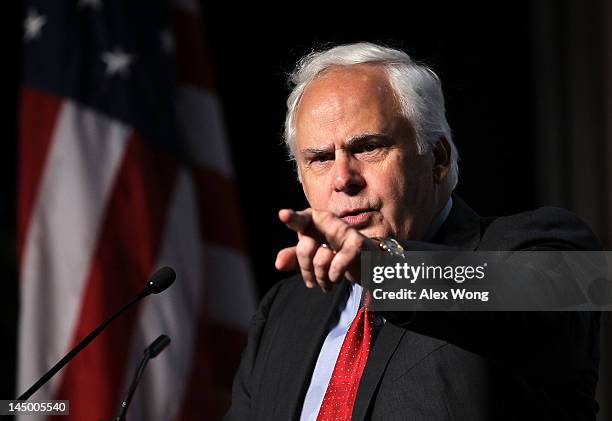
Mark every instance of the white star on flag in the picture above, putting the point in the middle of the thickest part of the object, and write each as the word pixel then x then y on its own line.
pixel 94 4
pixel 117 62
pixel 33 24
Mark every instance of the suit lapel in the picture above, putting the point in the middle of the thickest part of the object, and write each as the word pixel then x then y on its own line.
pixel 303 340
pixel 385 345
pixel 461 229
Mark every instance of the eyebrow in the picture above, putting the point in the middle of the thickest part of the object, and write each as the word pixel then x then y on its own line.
pixel 352 142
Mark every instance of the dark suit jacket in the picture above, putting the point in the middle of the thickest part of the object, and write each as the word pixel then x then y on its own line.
pixel 436 365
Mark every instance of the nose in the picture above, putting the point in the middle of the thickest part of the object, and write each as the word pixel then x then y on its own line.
pixel 346 174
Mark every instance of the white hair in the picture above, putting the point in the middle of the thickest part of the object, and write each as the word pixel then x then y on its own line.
pixel 417 87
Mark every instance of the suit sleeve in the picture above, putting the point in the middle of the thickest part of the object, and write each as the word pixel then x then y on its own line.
pixel 543 345
pixel 242 388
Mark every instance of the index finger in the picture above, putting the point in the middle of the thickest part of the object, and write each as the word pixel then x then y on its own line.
pixel 298 221
pixel 333 229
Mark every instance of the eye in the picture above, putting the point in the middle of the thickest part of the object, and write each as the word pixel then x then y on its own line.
pixel 370 147
pixel 373 149
pixel 322 158
pixel 367 147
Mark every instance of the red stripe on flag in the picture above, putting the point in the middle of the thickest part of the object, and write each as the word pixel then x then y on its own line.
pixel 127 249
pixel 216 358
pixel 37 119
pixel 220 210
pixel 192 53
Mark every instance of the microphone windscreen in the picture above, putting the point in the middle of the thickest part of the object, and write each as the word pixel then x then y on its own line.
pixel 157 346
pixel 161 280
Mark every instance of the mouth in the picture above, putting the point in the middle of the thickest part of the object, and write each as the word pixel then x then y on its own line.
pixel 357 218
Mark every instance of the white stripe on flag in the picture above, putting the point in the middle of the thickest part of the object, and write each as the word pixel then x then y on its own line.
pixel 85 152
pixel 175 313
pixel 231 297
pixel 200 122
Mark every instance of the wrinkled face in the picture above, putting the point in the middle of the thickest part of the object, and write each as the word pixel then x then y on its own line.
pixel 357 155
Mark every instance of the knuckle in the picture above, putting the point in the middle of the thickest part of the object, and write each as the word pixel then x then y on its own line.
pixel 351 241
pixel 340 230
pixel 328 216
pixel 321 217
pixel 355 240
pixel 303 248
pixel 320 260
pixel 300 251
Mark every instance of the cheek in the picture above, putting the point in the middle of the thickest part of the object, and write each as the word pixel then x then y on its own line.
pixel 393 181
pixel 389 187
pixel 316 194
pixel 401 184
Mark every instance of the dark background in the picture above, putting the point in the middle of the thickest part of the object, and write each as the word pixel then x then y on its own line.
pixel 488 101
pixel 525 88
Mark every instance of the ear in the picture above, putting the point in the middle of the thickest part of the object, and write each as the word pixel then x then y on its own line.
pixel 441 152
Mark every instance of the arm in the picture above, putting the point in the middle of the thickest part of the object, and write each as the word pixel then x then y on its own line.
pixel 543 345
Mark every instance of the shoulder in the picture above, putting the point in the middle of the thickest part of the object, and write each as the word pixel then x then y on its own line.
pixel 546 227
pixel 281 292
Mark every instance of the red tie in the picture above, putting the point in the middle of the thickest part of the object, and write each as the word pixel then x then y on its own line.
pixel 342 389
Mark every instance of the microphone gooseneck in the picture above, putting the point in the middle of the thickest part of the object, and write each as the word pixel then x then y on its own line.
pixel 157 283
pixel 150 352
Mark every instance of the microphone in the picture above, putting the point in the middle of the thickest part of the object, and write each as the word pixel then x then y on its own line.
pixel 157 283
pixel 161 280
pixel 152 351
pixel 157 346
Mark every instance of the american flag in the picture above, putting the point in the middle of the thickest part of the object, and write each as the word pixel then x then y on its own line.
pixel 124 168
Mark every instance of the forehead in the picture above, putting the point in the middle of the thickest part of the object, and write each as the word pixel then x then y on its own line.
pixel 344 101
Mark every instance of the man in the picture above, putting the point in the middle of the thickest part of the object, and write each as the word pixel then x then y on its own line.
pixel 366 126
